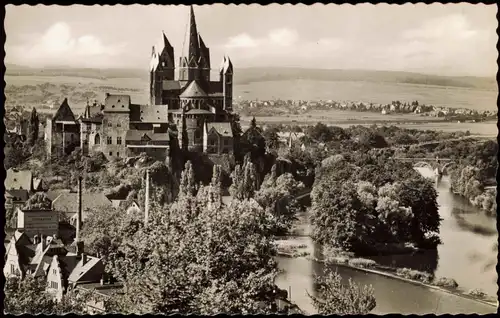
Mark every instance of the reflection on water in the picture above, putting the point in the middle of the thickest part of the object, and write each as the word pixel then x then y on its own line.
pixel 468 255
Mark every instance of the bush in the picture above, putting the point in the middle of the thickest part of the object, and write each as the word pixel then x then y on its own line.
pixel 446 282
pixel 414 275
pixel 477 293
pixel 362 262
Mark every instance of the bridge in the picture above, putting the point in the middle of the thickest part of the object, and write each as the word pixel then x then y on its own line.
pixel 439 165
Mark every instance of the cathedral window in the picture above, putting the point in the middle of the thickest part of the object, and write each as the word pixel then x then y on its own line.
pixel 109 141
pixel 118 125
pixel 119 140
pixel 97 139
pixel 109 124
pixel 163 64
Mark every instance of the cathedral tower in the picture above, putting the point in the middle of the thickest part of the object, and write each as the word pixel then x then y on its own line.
pixel 226 77
pixel 162 68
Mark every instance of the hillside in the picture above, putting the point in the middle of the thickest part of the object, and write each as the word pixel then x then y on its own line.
pixel 264 74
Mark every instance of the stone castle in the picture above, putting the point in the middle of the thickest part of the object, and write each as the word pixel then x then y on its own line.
pixel 193 110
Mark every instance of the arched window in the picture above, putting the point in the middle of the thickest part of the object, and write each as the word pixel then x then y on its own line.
pixel 97 139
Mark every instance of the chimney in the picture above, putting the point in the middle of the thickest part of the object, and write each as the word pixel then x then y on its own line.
pixel 84 259
pixel 146 203
pixel 79 248
pixel 79 212
pixel 35 239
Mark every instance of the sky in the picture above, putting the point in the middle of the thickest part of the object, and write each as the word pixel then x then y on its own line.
pixel 442 39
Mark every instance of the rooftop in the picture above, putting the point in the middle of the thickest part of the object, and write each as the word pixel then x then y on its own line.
pixel 18 180
pixel 117 103
pixel 193 90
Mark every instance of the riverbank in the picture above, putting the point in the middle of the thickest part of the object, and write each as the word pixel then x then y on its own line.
pixel 390 272
pixel 290 249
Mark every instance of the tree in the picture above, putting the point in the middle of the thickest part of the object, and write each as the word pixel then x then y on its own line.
pixel 272 138
pixel 33 128
pixel 253 123
pixel 335 298
pixel 187 185
pixel 28 296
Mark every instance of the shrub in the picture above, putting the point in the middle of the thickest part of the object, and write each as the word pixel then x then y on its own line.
pixel 362 262
pixel 414 275
pixel 477 293
pixel 446 282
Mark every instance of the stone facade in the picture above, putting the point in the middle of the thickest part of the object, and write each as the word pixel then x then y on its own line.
pixel 120 129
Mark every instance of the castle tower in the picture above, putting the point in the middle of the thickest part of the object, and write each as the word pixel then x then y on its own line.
pixel 162 67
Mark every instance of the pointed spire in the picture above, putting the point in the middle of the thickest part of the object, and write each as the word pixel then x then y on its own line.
pixel 228 66
pixel 194 46
pixel 166 43
pixel 221 68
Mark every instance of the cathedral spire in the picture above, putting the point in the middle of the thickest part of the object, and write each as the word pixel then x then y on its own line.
pixel 194 45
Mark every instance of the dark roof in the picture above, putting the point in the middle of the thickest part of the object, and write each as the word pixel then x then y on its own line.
pixel 117 103
pixel 146 135
pixel 171 85
pixel 223 129
pixel 196 111
pixel 17 195
pixel 88 271
pixel 149 113
pixel 68 202
pixel 193 90
pixel 18 180
pixel 64 113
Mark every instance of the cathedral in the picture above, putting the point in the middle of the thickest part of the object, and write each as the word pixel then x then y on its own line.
pixel 198 107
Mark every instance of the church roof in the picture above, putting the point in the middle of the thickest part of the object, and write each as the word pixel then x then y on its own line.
pixel 169 85
pixel 223 129
pixel 193 90
pixel 64 113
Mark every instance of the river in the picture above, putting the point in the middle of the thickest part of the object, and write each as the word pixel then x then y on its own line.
pixel 466 255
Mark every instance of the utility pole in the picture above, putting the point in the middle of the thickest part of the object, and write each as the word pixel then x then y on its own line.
pixel 146 201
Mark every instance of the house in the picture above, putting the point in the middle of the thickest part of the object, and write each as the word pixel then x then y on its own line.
pixel 218 138
pixel 67 203
pixel 134 207
pixel 36 216
pixel 25 256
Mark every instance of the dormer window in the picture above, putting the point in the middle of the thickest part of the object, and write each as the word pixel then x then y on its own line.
pixel 118 101
pixel 113 106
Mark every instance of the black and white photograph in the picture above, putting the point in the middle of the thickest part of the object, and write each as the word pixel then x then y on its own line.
pixel 243 159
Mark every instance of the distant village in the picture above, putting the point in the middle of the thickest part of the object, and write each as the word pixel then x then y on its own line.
pixel 395 107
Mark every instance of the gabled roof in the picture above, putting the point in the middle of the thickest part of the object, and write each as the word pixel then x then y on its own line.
pixel 117 103
pixel 18 180
pixel 193 90
pixel 84 271
pixel 145 135
pixel 152 114
pixel 68 202
pixel 64 113
pixel 223 129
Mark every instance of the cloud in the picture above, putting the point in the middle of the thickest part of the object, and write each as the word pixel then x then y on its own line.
pixel 283 37
pixel 454 26
pixel 241 41
pixel 58 46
